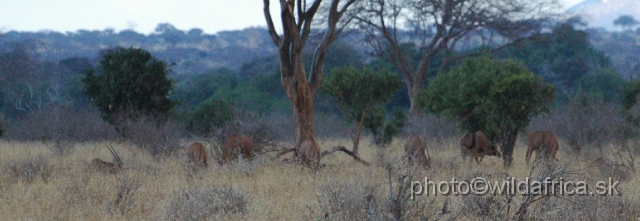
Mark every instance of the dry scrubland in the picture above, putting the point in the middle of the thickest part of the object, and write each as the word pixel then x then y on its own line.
pixel 36 184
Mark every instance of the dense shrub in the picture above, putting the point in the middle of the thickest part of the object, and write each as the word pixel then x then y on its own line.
pixel 630 94
pixel 384 128
pixel 210 114
pixel 604 85
pixel 584 124
pixel 131 82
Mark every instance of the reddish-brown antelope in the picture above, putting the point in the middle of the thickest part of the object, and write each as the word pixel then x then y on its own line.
pixel 545 140
pixel 237 145
pixel 108 167
pixel 198 154
pixel 414 150
pixel 310 153
pixel 476 146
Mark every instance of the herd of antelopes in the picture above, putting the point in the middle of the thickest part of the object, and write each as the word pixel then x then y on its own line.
pixel 477 145
pixel 474 145
pixel 197 154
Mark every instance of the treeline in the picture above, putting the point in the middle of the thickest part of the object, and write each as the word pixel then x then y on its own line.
pixel 191 51
pixel 38 98
pixel 188 51
pixel 35 84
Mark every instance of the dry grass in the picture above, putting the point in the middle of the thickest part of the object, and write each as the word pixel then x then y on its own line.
pixel 37 184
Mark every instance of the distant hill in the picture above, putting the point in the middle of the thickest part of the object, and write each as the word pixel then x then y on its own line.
pixel 188 51
pixel 601 13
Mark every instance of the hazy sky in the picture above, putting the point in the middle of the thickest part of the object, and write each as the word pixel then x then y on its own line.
pixel 141 15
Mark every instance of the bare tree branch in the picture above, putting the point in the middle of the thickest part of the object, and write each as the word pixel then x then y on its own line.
pixel 272 30
pixel 344 149
pixel 317 64
pixel 434 26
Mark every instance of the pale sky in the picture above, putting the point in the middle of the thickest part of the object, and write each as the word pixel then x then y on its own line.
pixel 141 15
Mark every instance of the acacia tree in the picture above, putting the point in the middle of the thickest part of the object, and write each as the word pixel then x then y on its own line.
pixel 626 21
pixel 440 26
pixel 300 85
pixel 497 97
pixel 359 93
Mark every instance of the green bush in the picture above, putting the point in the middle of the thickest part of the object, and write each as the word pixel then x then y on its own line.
pixel 130 82
pixel 193 89
pixel 210 114
pixel 383 127
pixel 260 94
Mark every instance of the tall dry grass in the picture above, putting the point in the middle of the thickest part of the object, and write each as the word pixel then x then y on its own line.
pixel 37 184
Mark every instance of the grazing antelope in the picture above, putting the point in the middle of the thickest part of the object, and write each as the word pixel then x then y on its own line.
pixel 237 144
pixel 108 167
pixel 309 152
pixel 476 146
pixel 542 140
pixel 198 154
pixel 414 149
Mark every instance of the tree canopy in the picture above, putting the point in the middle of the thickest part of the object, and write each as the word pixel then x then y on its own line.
pixel 626 21
pixel 132 82
pixel 359 92
pixel 561 57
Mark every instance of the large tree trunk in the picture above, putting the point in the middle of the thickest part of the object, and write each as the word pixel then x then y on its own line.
pixel 300 94
pixel 296 17
pixel 415 84
pixel 414 90
pixel 302 104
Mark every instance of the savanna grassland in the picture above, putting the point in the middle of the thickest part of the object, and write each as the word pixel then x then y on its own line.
pixel 38 184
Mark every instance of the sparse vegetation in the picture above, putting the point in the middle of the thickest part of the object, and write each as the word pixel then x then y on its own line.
pixel 158 140
pixel 29 170
pixel 127 186
pixel 263 189
pixel 207 202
